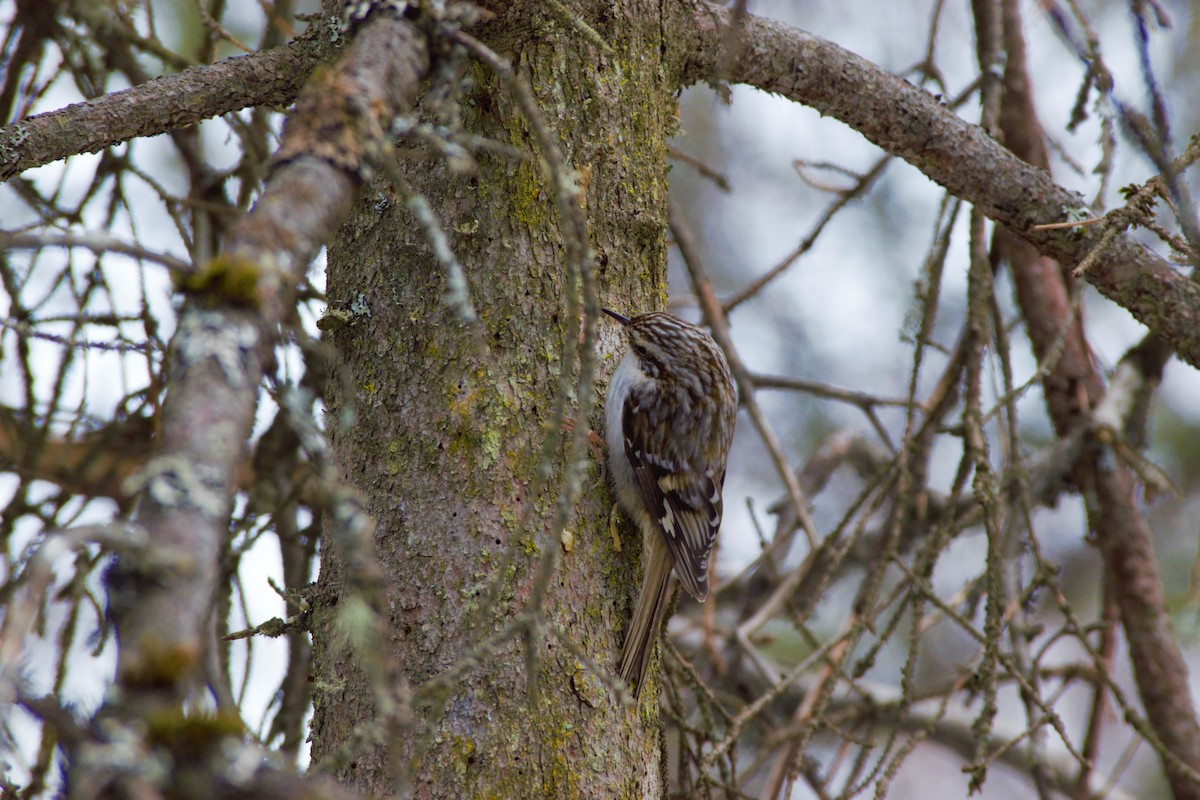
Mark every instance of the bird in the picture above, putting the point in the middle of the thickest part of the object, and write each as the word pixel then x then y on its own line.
pixel 669 417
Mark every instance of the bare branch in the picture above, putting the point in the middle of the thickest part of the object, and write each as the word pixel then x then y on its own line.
pixel 910 123
pixel 225 336
pixel 269 78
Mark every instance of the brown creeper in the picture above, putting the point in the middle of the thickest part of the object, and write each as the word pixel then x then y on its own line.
pixel 670 412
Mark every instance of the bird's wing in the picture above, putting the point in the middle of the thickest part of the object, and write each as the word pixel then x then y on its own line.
pixel 684 505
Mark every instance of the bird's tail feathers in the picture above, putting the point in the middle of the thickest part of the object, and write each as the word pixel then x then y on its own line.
pixel 652 604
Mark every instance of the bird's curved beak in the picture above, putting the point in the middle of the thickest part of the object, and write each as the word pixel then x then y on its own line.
pixel 616 316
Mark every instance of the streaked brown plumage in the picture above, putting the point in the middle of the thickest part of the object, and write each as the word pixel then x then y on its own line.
pixel 669 414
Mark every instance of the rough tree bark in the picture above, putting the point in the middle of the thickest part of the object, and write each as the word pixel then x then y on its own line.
pixel 449 420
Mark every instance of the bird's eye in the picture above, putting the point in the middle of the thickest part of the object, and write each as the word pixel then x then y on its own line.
pixel 641 350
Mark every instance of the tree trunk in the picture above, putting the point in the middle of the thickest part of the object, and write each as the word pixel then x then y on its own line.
pixel 448 422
